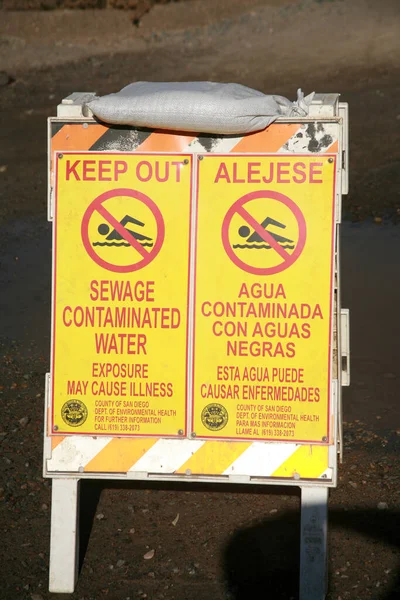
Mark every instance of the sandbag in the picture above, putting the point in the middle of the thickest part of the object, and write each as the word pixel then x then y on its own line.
pixel 196 106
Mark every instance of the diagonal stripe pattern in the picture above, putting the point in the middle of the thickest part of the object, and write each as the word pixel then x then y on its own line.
pixel 278 137
pixel 187 457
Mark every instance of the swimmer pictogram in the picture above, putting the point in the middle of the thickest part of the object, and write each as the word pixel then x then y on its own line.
pixel 113 245
pixel 116 239
pixel 262 234
pixel 255 240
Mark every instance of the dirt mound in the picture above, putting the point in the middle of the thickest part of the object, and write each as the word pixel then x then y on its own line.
pixel 139 7
pixel 21 5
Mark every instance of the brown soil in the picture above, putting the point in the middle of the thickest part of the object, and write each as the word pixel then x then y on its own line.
pixel 231 542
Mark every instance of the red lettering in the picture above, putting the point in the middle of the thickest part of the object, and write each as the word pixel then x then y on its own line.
pixel 104 286
pixel 282 172
pixel 178 166
pixel 94 171
pixel 222 173
pixel 299 169
pixel 150 291
pixel 120 167
pixel 235 175
pixel 89 167
pixel 66 322
pixel 104 168
pixel 165 175
pixel 71 170
pixel 120 343
pixel 314 171
pixel 164 318
pixel 217 328
pixel 203 307
pixel 141 344
pixel 139 170
pixel 106 290
pixel 252 171
pixel 271 174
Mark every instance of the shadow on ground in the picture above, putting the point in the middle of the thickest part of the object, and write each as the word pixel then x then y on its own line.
pixel 262 561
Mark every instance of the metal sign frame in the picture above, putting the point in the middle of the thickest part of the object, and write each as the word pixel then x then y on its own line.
pixel 69 458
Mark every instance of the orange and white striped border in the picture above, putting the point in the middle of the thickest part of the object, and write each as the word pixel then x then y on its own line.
pixel 309 137
pixel 76 454
pixel 299 138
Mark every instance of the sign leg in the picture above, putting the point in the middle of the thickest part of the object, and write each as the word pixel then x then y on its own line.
pixel 64 536
pixel 313 543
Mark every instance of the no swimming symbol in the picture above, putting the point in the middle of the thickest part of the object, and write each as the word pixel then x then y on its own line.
pixel 122 244
pixel 259 248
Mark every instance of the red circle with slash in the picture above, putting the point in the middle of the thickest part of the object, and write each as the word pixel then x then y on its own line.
pixel 239 208
pixel 99 205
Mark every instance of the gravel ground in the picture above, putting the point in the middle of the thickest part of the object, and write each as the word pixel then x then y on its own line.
pixel 234 542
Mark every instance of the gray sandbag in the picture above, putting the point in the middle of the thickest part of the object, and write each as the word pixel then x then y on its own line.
pixel 197 106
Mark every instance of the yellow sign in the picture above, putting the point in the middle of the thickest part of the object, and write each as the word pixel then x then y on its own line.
pixel 120 298
pixel 264 276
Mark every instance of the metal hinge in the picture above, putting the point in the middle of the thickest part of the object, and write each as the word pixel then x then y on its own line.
pixel 345 344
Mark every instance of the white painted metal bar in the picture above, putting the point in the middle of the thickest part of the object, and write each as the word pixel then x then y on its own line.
pixel 64 536
pixel 66 462
pixel 313 543
pixel 344 113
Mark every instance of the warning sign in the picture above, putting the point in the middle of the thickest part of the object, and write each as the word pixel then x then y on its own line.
pixel 239 221
pixel 264 267
pixel 120 298
pixel 122 245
